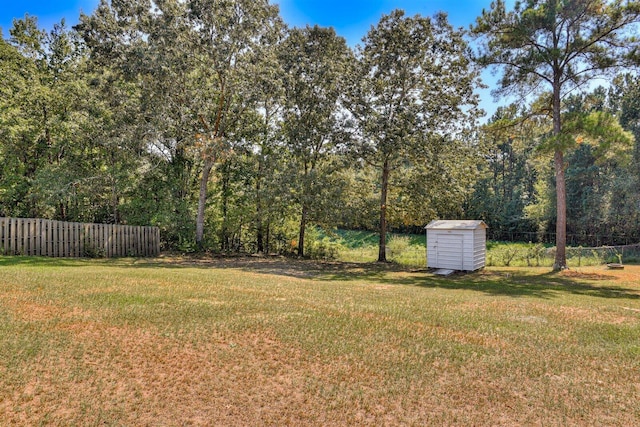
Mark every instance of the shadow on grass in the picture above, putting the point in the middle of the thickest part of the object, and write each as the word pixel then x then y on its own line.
pixel 514 283
pixel 544 285
pixel 33 261
pixel 525 283
pixel 28 261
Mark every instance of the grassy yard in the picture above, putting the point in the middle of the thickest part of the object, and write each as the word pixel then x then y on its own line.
pixel 410 250
pixel 255 341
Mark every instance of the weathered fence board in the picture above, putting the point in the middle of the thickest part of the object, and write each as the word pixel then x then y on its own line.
pixel 44 237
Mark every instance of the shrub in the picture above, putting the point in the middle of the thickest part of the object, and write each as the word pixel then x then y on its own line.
pixel 90 251
pixel 534 252
pixel 398 245
pixel 323 249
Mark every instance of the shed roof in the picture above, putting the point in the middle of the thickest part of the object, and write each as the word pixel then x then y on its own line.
pixel 455 225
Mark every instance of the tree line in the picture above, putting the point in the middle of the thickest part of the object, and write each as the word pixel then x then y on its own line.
pixel 232 132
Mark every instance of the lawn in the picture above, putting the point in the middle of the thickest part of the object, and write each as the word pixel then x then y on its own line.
pixel 268 341
pixel 410 250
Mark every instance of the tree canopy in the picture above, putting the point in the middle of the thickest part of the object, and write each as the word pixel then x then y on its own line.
pixel 231 132
pixel 557 47
pixel 413 96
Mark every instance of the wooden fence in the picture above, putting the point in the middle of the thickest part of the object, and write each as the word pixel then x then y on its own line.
pixel 43 237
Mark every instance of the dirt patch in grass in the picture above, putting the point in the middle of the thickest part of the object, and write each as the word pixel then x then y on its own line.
pixel 630 274
pixel 29 311
pixel 33 312
pixel 125 376
pixel 588 275
pixel 279 265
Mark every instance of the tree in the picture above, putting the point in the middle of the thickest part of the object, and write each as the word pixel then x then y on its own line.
pixel 596 169
pixel 608 151
pixel 557 45
pixel 193 61
pixel 508 178
pixel 228 34
pixel 20 153
pixel 627 99
pixel 262 127
pixel 412 95
pixel 315 63
pixel 626 94
pixel 48 111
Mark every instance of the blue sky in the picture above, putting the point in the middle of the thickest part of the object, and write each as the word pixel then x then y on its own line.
pixel 351 18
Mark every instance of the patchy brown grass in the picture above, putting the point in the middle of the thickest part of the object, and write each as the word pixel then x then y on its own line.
pixel 256 341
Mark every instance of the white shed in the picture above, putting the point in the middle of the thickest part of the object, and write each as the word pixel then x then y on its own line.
pixel 456 245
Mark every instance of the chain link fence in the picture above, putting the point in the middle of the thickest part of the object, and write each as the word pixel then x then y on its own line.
pixel 537 254
pixel 591 240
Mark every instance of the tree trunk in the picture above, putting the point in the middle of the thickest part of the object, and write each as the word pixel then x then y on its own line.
pixel 266 243
pixel 226 244
pixel 260 237
pixel 561 207
pixel 202 200
pixel 303 226
pixel 114 202
pixel 62 212
pixel 259 226
pixel 561 190
pixel 382 247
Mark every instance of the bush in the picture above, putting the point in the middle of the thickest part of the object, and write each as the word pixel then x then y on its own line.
pixel 187 245
pixel 508 254
pixel 534 252
pixel 398 245
pixel 323 249
pixel 91 251
pixel 317 245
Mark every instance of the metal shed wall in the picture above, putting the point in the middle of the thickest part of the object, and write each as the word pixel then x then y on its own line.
pixel 456 245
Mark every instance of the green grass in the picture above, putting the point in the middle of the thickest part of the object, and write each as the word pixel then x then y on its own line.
pixel 268 341
pixel 410 250
pixel 362 246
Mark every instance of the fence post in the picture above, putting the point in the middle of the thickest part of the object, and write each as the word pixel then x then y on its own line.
pixel 32 237
pixel 19 237
pixel 119 240
pixel 146 240
pixel 2 239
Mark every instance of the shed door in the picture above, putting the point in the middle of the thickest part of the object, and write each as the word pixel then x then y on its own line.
pixel 450 251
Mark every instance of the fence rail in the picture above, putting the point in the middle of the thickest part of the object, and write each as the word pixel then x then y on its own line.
pixel 595 240
pixel 44 237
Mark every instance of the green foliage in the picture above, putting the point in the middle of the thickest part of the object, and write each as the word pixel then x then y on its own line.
pixel 538 255
pixel 413 100
pixel 407 250
pixel 516 194
pixel 535 252
pixel 559 47
pixel 92 252
pixel 187 245
pixel 508 186
pixel 315 62
pixel 361 246
pixel 320 246
pixel 208 113
pixel 57 132
pixel 398 245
